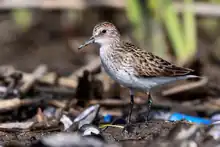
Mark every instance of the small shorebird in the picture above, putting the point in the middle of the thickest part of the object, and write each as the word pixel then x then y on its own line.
pixel 131 66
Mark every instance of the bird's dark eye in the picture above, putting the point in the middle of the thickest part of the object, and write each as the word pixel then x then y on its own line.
pixel 104 31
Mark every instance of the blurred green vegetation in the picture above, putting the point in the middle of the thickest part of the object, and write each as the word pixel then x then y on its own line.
pixel 22 17
pixel 147 30
pixel 181 31
pixel 157 26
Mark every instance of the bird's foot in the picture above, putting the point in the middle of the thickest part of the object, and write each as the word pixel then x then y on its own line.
pixel 129 128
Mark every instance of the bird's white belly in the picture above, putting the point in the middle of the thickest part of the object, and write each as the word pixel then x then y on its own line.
pixel 127 79
pixel 131 81
pixel 120 76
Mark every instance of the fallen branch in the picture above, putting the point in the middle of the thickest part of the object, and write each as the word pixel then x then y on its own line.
pixel 186 87
pixel 38 73
pixel 116 103
pixel 11 104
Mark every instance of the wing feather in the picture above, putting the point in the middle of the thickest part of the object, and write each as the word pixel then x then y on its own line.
pixel 149 65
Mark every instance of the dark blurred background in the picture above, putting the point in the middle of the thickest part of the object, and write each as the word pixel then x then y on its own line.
pixel 185 32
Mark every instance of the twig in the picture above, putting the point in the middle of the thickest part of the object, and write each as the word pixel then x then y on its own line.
pixel 50 78
pixel 114 102
pixel 17 125
pixel 176 106
pixel 185 87
pixel 9 104
pixel 55 90
pixel 215 102
pixel 39 72
pixel 57 103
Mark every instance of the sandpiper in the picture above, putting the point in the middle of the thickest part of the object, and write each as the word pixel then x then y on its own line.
pixel 131 66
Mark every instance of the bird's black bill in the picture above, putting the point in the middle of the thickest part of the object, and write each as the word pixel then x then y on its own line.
pixel 90 41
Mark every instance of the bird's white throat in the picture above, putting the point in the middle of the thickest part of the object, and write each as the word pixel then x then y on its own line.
pixel 103 41
pixel 104 50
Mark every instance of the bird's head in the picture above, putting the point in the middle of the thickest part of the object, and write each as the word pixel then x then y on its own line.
pixel 103 34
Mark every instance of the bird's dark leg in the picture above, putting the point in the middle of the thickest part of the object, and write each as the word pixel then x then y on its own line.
pixel 149 104
pixel 128 127
pixel 131 105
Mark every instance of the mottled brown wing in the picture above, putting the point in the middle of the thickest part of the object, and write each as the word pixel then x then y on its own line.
pixel 149 65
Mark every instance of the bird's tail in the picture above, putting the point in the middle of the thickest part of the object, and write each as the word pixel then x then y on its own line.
pixel 194 78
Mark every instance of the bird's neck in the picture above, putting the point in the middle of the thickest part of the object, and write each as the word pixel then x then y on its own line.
pixel 105 50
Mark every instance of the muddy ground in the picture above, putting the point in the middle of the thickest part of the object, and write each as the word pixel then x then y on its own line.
pixel 142 135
